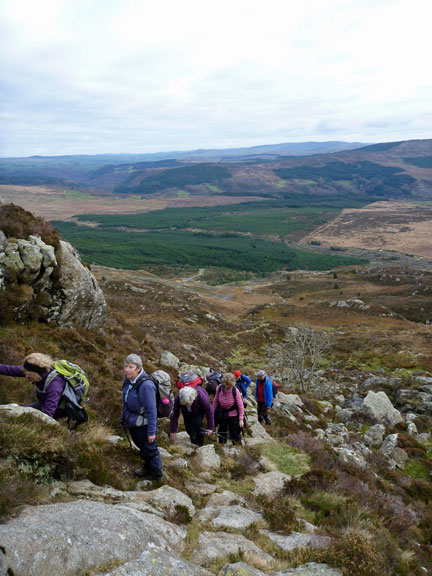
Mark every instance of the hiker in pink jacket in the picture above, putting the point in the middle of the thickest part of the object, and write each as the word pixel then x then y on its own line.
pixel 228 410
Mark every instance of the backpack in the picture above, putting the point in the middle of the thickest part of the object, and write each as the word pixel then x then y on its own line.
pixel 164 394
pixel 188 379
pixel 214 379
pixel 275 388
pixel 75 390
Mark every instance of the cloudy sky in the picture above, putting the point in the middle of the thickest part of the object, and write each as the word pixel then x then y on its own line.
pixel 96 76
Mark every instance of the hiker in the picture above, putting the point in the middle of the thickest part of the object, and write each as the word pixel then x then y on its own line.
pixel 36 368
pixel 139 415
pixel 193 403
pixel 264 396
pixel 228 410
pixel 242 382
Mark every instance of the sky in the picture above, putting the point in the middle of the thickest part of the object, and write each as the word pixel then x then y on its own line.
pixel 134 76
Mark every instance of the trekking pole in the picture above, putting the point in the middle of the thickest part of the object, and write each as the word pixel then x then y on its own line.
pixel 133 446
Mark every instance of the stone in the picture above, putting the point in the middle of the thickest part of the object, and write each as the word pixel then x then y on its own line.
pixel 412 429
pixel 352 456
pixel 374 435
pixel 225 498
pixel 212 545
pixel 379 405
pixel 169 359
pixel 178 464
pixel 291 402
pixel 232 516
pixel 81 301
pixel 205 458
pixel 389 444
pixel 162 501
pixel 239 569
pixel 310 569
pixel 400 457
pixel 200 488
pixel 112 533
pixel 14 410
pixel 3 241
pixel 297 540
pixel 270 484
pixel 157 563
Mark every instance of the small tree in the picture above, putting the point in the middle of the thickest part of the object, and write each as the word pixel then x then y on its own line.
pixel 298 355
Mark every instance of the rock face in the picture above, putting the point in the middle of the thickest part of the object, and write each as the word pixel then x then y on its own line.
pixel 109 533
pixel 53 284
pixel 14 410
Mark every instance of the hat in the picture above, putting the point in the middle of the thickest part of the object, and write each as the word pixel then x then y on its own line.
pixel 237 374
pixel 261 374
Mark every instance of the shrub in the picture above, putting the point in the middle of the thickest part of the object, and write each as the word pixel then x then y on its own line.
pixel 18 223
pixel 354 555
pixel 279 514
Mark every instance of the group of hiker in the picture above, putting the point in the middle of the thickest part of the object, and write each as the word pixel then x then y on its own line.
pixel 145 397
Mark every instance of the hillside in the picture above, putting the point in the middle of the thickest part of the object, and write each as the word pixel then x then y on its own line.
pixel 360 479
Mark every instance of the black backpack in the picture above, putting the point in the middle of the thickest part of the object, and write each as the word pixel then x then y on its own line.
pixel 214 379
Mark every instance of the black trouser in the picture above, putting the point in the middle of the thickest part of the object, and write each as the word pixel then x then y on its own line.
pixel 262 412
pixel 230 423
pixel 194 426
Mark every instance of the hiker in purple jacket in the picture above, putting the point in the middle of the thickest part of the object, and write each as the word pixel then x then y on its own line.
pixel 139 415
pixel 193 403
pixel 36 368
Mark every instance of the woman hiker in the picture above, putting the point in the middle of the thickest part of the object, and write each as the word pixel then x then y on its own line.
pixel 228 410
pixel 194 404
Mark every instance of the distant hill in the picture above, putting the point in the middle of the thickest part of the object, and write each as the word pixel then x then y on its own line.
pixel 384 170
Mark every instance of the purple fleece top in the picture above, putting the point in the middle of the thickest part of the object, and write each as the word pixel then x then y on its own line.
pixel 200 404
pixel 50 398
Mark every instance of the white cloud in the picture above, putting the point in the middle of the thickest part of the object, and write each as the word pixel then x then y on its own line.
pixel 135 75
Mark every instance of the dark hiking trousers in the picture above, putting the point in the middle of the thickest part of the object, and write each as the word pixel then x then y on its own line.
pixel 193 422
pixel 263 413
pixel 230 423
pixel 149 451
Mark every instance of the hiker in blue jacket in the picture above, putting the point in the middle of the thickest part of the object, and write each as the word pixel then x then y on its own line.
pixel 139 415
pixel 242 382
pixel 264 396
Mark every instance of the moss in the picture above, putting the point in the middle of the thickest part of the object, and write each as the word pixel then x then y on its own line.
pixel 287 459
pixel 418 468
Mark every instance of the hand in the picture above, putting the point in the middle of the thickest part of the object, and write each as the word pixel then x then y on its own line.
pixel 173 436
pixel 241 423
pixel 209 432
pixel 151 439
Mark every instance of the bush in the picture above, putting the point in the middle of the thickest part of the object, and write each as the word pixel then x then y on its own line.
pixel 280 515
pixel 18 223
pixel 354 555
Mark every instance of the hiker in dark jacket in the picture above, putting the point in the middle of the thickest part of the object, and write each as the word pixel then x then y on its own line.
pixel 194 404
pixel 264 396
pixel 228 410
pixel 36 368
pixel 139 415
pixel 242 382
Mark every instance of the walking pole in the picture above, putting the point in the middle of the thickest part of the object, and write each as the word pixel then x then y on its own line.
pixel 132 445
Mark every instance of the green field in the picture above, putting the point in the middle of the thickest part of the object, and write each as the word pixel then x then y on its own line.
pixel 131 250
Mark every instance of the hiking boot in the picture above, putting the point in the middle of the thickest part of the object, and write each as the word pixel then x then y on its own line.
pixel 260 419
pixel 156 474
pixel 268 421
pixel 141 472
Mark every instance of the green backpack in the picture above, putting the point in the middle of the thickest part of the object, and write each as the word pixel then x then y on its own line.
pixel 75 390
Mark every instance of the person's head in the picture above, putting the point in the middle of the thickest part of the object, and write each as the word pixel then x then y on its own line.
pixel 237 374
pixel 36 365
pixel 132 366
pixel 261 375
pixel 187 395
pixel 228 381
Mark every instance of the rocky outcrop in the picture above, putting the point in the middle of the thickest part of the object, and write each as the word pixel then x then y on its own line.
pixel 380 407
pixel 14 411
pixel 68 544
pixel 49 284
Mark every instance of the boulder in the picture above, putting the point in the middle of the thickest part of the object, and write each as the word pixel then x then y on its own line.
pixel 389 444
pixel 225 498
pixel 351 456
pixel 78 537
pixel 310 569
pixel 81 301
pixel 194 486
pixel 239 569
pixel 297 540
pixel 14 410
pixel 374 436
pixel 205 458
pixel 212 545
pixel 169 359
pixel 157 563
pixel 232 516
pixel 270 484
pixel 380 407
